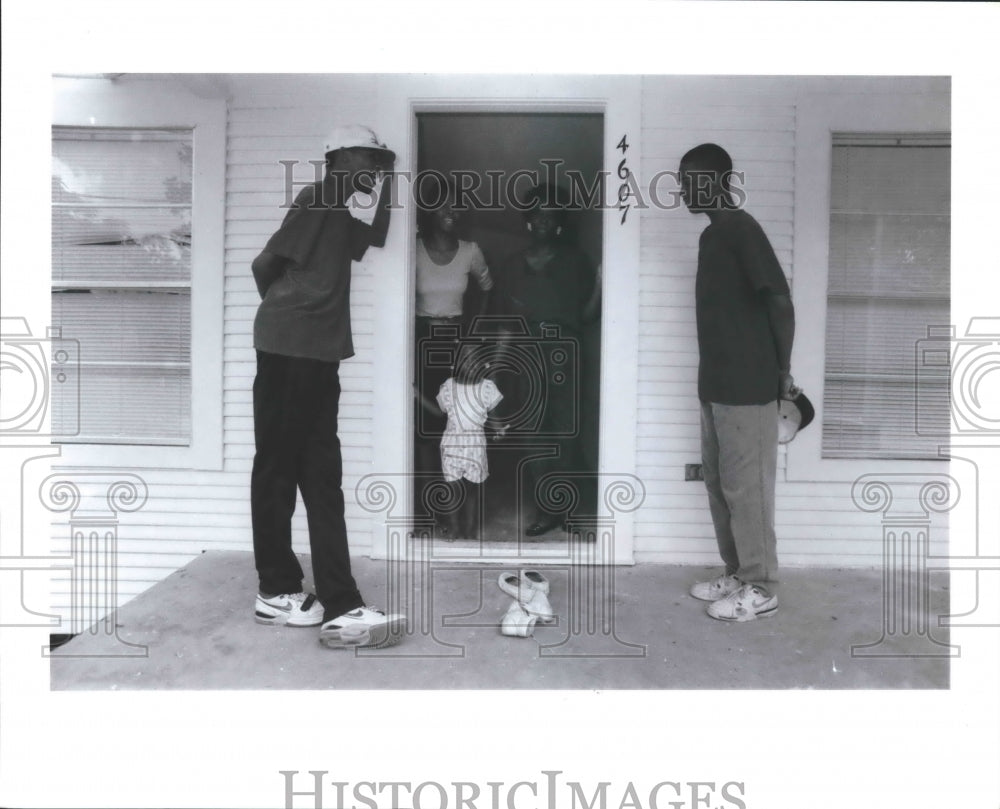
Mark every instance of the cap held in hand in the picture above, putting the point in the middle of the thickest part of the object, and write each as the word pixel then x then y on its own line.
pixel 793 415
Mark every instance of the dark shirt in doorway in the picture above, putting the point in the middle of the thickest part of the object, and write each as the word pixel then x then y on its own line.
pixel 737 268
pixel 307 311
pixel 555 294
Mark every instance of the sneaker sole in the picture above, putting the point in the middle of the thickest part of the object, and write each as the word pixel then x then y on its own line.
pixel 711 599
pixel 380 636
pixel 282 620
pixel 732 620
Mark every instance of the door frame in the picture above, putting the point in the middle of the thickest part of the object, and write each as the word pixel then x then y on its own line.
pixel 617 99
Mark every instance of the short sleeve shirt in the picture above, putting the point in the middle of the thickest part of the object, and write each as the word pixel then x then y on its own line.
pixel 441 287
pixel 737 269
pixel 307 311
pixel 555 294
pixel 468 406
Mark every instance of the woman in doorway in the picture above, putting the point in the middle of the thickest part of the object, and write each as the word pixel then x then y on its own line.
pixel 551 285
pixel 445 266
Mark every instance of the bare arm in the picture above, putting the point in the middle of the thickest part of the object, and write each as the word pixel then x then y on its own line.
pixel 484 301
pixel 781 315
pixel 267 268
pixel 374 234
pixel 497 425
pixel 380 224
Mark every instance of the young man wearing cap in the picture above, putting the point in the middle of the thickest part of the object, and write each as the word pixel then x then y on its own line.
pixel 746 324
pixel 301 333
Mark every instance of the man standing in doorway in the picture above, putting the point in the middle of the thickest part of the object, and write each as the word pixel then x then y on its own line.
pixel 746 325
pixel 301 333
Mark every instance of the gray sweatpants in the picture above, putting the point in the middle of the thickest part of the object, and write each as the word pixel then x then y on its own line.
pixel 739 451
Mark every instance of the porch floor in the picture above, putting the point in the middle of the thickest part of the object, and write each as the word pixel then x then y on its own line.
pixel 617 628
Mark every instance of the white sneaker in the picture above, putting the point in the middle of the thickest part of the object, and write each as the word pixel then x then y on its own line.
pixel 534 602
pixel 748 603
pixel 517 623
pixel 364 626
pixel 288 609
pixel 717 588
pixel 534 578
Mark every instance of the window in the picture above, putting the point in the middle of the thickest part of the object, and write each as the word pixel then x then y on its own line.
pixel 121 282
pixel 138 275
pixel 888 284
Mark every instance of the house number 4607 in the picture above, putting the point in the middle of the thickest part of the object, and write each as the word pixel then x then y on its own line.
pixel 625 175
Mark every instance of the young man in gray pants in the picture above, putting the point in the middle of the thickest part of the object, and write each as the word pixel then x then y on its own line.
pixel 746 324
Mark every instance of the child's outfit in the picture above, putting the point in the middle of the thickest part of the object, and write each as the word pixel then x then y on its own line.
pixel 463 443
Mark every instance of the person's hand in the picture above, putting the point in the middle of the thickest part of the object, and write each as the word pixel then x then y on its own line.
pixel 500 432
pixel 787 389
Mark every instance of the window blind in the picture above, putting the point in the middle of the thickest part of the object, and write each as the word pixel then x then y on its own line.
pixel 121 282
pixel 889 281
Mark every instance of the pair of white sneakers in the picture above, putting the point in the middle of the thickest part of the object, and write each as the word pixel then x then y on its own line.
pixel 734 600
pixel 361 627
pixel 530 591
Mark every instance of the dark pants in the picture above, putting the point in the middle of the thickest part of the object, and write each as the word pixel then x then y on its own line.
pixel 295 404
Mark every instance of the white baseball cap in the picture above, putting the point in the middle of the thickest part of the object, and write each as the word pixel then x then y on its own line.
pixel 354 136
pixel 793 415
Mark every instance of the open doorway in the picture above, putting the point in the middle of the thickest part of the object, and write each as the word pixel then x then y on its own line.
pixel 526 305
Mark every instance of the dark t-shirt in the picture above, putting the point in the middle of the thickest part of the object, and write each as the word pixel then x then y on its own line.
pixel 555 294
pixel 737 269
pixel 307 311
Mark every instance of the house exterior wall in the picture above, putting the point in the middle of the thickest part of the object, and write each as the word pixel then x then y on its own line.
pixel 284 118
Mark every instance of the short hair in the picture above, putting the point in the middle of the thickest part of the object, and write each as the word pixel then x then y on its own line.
pixel 433 190
pixel 713 158
pixel 548 197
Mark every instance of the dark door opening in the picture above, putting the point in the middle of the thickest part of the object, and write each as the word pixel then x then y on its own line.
pixel 533 316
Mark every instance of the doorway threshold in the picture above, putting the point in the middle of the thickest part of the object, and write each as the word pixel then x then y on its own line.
pixel 562 551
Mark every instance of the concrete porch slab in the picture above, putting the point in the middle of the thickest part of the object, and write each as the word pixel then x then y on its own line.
pixel 617 628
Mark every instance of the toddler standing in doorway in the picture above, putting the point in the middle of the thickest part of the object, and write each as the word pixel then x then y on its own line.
pixel 467 398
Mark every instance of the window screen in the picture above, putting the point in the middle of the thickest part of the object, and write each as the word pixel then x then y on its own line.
pixel 121 282
pixel 889 279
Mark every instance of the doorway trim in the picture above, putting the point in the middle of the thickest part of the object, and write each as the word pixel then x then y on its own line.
pixel 617 98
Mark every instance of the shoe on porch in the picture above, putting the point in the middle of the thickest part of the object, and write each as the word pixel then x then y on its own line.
pixel 288 609
pixel 717 588
pixel 534 601
pixel 362 627
pixel 748 603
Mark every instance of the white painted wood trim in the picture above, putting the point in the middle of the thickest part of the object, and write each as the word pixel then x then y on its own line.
pixel 619 99
pixel 819 116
